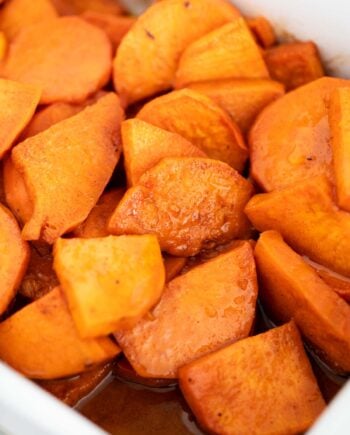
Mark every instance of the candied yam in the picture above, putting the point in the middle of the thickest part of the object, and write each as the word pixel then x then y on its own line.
pixel 41 341
pixel 199 312
pixel 145 145
pixel 189 203
pixel 173 266
pixel 201 121
pixel 243 99
pixel 72 7
pixel 308 219
pixel 54 165
pixel 290 140
pixel 292 289
pixel 227 52
pixel 148 55
pixel 70 63
pixel 262 31
pixel 14 257
pixel 263 385
pixel 294 64
pixel 110 282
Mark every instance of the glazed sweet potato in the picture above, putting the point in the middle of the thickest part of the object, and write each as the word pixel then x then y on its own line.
pixel 41 342
pixel 199 312
pixel 159 37
pixel 262 31
pixel 294 64
pixel 71 7
pixel 173 266
pixel 224 53
pixel 189 203
pixel 145 145
pixel 261 385
pixel 110 282
pixel 290 140
pixel 14 257
pixel 243 99
pixel 70 62
pixel 291 289
pixel 308 219
pixel 201 121
pixel 45 175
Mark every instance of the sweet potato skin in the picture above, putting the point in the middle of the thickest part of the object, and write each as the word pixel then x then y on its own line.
pixel 262 31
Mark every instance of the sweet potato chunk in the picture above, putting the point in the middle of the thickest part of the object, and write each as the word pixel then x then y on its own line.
pixel 173 266
pixel 199 312
pixel 67 57
pixel 294 64
pixel 290 140
pixel 110 282
pixel 41 341
pixel 262 31
pixel 53 166
pixel 261 385
pixel 308 219
pixel 243 99
pixel 145 145
pixel 159 37
pixel 189 203
pixel 14 257
pixel 71 7
pixel 292 289
pixel 227 52
pixel 201 121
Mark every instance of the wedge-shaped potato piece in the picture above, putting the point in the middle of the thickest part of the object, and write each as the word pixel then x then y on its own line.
pixel 144 145
pixel 14 257
pixel 227 52
pixel 294 64
pixel 215 302
pixel 57 176
pixel 201 121
pixel 291 289
pixel 72 7
pixel 309 221
pixel 159 37
pixel 262 31
pixel 189 203
pixel 290 140
pixel 67 57
pixel 110 282
pixel 243 99
pixel 173 266
pixel 41 341
pixel 261 385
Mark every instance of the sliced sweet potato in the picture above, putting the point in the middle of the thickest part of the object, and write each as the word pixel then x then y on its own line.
pixel 262 31
pixel 201 121
pixel 189 203
pixel 14 257
pixel 173 266
pixel 72 7
pixel 110 282
pixel 145 145
pixel 41 341
pixel 70 63
pixel 3 46
pixel 290 140
pixel 261 385
pixel 52 167
pixel 199 312
pixel 308 219
pixel 294 64
pixel 227 52
pixel 159 37
pixel 243 99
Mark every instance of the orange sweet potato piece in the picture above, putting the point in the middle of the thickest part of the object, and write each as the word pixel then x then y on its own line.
pixel 201 121
pixel 41 341
pixel 52 167
pixel 173 266
pixel 3 47
pixel 189 203
pixel 262 31
pixel 145 145
pixel 199 312
pixel 308 219
pixel 261 385
pixel 70 63
pixel 243 99
pixel 110 282
pixel 159 37
pixel 14 257
pixel 290 139
pixel 294 64
pixel 227 52
pixel 72 7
